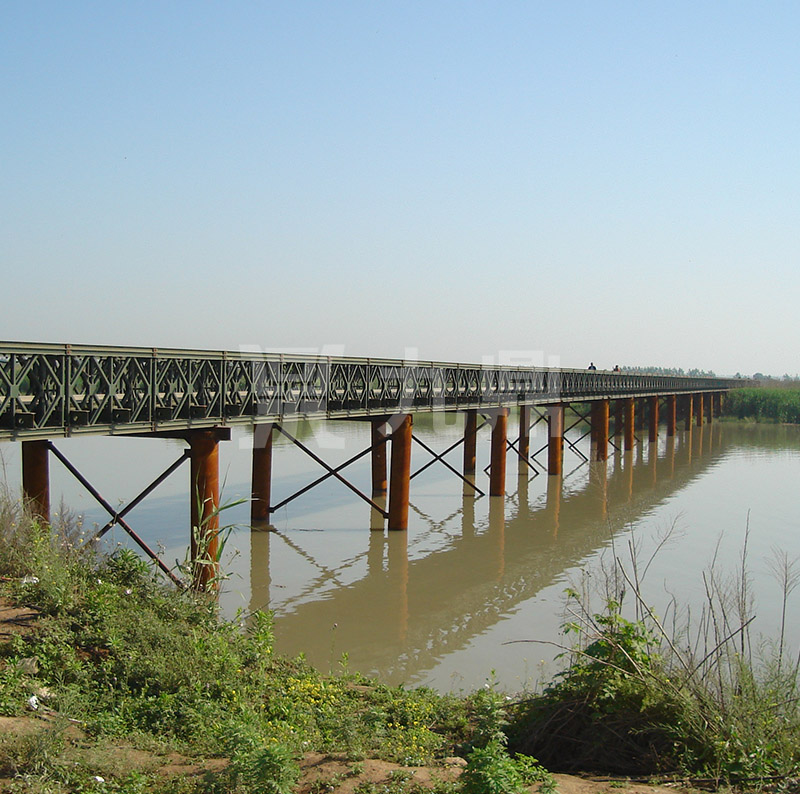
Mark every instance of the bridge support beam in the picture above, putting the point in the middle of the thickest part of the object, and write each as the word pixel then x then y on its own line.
pixel 710 407
pixel 698 409
pixel 378 435
pixel 470 440
pixel 497 472
pixel 641 403
pixel 204 453
pixel 261 483
pixel 672 414
pixel 629 421
pixel 600 411
pixel 524 442
pixel 555 446
pixel 36 477
pixel 619 416
pixel 689 408
pixel 653 435
pixel 400 473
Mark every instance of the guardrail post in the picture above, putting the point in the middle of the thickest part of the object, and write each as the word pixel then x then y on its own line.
pixel 36 477
pixel 653 436
pixel 555 446
pixel 470 440
pixel 204 447
pixel 262 473
pixel 400 474
pixel 497 472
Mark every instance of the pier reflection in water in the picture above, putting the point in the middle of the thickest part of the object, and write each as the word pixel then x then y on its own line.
pixel 436 605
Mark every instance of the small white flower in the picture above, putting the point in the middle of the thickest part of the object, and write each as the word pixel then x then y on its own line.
pixel 33 703
pixel 98 779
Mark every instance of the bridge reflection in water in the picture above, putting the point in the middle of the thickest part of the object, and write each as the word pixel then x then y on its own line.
pixel 411 609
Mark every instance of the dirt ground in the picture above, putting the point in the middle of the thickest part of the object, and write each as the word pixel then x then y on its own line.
pixel 317 768
pixel 319 772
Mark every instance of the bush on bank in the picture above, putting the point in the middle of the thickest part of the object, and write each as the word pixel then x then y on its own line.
pixel 770 405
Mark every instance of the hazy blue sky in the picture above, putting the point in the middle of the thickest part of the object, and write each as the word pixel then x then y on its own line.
pixel 607 181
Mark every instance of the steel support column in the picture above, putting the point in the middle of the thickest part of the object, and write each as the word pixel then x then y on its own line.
pixel 524 442
pixel 36 477
pixel 400 474
pixel 639 413
pixel 698 409
pixel 555 446
pixel 630 418
pixel 689 407
pixel 470 440
pixel 710 408
pixel 619 416
pixel 204 447
pixel 497 473
pixel 261 482
pixel 653 435
pixel 672 414
pixel 600 411
pixel 378 434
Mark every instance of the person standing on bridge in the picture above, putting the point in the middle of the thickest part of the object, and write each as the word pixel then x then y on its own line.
pixel 591 365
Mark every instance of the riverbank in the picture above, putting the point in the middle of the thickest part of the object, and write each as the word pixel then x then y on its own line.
pixel 46 750
pixel 108 673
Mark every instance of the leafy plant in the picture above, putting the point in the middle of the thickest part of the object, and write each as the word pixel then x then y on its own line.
pixel 490 770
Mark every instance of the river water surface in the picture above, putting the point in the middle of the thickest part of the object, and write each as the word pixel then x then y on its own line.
pixel 440 604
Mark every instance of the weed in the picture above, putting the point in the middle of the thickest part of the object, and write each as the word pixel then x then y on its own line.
pixel 490 770
pixel 637 699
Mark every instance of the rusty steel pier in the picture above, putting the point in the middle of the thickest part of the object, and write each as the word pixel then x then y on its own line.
pixel 52 391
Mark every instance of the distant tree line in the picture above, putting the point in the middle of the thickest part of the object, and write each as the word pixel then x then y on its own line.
pixel 785 381
pixel 669 371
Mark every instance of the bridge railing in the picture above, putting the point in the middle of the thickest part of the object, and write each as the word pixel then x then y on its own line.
pixel 68 389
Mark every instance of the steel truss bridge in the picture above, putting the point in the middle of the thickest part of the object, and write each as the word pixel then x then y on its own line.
pixel 50 391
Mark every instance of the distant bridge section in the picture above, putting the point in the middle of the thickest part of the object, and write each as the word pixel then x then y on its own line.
pixel 49 391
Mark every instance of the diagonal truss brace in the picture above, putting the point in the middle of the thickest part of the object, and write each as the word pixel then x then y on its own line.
pixel 440 459
pixel 146 492
pixel 117 517
pixel 332 472
pixel 572 445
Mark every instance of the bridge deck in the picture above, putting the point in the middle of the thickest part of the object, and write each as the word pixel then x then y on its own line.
pixel 62 390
